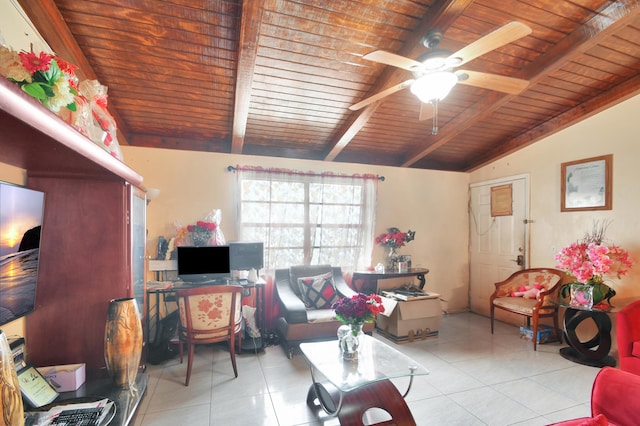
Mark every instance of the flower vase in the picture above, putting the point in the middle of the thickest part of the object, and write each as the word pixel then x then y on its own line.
pixel 392 260
pixel 11 408
pixel 350 343
pixel 123 342
pixel 581 296
pixel 199 240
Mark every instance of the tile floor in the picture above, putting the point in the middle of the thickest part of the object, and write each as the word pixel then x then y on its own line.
pixel 476 379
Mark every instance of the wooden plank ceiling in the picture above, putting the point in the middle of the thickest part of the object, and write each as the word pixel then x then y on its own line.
pixel 277 77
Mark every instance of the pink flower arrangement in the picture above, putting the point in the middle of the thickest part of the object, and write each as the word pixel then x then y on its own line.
pixel 358 309
pixel 590 260
pixel 394 238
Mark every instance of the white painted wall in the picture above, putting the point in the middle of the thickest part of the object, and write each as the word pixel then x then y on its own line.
pixel 432 203
pixel 614 131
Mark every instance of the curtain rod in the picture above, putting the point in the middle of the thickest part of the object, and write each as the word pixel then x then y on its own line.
pixel 233 169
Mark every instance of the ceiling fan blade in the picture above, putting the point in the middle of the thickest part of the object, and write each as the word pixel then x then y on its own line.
pixel 504 35
pixel 392 59
pixel 386 92
pixel 426 111
pixel 500 83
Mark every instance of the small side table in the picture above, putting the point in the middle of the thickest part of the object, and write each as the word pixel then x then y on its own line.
pixel 370 278
pixel 595 351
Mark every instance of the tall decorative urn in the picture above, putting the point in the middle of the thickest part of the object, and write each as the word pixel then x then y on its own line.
pixel 11 408
pixel 123 341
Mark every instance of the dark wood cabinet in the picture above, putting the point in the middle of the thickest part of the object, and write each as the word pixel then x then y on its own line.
pixel 93 234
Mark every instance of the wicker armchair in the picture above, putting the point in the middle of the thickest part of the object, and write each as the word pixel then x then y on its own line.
pixel 544 306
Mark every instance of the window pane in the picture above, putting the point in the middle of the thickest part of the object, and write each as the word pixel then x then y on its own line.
pixel 282 210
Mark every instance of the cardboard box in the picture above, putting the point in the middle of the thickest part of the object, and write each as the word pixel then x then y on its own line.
pixel 545 333
pixel 64 378
pixel 410 320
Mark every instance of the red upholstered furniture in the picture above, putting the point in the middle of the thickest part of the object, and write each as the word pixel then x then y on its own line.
pixel 628 334
pixel 615 395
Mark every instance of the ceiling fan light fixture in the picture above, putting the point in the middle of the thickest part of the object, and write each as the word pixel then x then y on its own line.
pixel 434 86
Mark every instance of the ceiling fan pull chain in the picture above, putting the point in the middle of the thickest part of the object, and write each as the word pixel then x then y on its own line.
pixel 434 130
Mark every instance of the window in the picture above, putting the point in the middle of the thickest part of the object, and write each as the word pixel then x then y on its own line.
pixel 306 218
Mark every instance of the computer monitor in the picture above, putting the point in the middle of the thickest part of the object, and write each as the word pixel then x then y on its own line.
pixel 245 256
pixel 203 264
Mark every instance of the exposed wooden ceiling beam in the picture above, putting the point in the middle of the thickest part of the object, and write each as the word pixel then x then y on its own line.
pixel 247 53
pixel 48 20
pixel 440 16
pixel 620 93
pixel 609 20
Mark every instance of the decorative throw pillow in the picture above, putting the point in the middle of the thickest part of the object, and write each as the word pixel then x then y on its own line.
pixel 635 351
pixel 318 292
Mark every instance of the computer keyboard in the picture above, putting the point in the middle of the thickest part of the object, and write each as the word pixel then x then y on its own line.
pixel 82 417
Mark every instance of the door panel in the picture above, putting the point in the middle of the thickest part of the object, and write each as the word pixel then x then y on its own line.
pixel 495 242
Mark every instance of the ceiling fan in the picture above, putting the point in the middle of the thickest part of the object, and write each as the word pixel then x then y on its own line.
pixel 434 74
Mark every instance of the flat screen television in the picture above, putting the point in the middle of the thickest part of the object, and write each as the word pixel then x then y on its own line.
pixel 244 256
pixel 21 211
pixel 203 264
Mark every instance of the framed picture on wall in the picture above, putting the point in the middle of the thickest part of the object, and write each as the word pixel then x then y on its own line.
pixel 586 184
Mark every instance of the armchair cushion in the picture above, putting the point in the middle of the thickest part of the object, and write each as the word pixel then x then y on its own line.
pixel 318 292
pixel 636 349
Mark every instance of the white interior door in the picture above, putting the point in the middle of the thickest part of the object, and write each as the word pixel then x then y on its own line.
pixel 498 243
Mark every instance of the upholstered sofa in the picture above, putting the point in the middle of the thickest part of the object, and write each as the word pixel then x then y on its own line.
pixel 628 337
pixel 614 398
pixel 314 321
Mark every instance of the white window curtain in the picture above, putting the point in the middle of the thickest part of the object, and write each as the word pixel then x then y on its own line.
pixel 307 218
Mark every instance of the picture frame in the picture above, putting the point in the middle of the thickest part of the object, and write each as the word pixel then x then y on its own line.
pixel 586 184
pixel 502 200
pixel 34 387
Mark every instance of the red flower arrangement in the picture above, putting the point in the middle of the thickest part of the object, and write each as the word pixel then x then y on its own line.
pixel 394 238
pixel 201 232
pixel 358 309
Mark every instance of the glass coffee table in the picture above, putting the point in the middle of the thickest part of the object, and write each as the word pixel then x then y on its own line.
pixel 347 389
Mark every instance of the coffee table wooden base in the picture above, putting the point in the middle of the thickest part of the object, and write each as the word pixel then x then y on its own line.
pixel 351 406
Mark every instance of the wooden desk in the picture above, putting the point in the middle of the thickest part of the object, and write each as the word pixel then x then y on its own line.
pixel 153 314
pixel 370 278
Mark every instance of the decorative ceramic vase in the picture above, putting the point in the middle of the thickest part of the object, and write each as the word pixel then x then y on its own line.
pixel 123 341
pixel 11 408
pixel 350 343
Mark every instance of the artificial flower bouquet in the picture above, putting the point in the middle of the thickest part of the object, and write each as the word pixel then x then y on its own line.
pixel 46 77
pixel 358 309
pixel 53 82
pixel 592 259
pixel 202 232
pixel 394 238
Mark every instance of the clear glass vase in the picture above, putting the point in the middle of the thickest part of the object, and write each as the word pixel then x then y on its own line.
pixel 349 340
pixel 392 259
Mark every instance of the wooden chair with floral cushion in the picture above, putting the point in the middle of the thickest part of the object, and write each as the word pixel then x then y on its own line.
pixel 209 314
pixel 545 305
